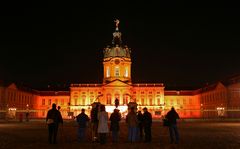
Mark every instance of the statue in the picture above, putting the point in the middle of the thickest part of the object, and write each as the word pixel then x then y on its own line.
pixel 116 102
pixel 117 22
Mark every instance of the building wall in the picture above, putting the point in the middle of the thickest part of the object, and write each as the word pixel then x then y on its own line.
pixel 188 106
pixel 214 100
pixel 44 103
pixel 233 96
pixel 122 64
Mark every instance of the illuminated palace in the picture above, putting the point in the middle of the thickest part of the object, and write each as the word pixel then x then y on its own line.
pixel 210 101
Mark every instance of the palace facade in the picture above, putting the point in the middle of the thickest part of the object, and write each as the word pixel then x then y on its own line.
pixel 209 101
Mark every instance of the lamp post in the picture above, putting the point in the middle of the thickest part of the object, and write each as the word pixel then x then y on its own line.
pixel 202 111
pixel 27 112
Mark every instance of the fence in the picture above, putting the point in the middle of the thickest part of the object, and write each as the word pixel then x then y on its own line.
pixel 66 114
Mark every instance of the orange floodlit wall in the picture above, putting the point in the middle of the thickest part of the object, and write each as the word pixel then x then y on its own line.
pixel 45 100
pixel 185 102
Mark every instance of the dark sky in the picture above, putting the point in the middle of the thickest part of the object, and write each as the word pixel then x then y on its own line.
pixel 178 44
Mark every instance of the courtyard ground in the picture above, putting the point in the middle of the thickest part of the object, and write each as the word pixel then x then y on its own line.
pixel 193 135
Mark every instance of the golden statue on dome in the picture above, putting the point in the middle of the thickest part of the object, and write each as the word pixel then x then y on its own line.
pixel 117 22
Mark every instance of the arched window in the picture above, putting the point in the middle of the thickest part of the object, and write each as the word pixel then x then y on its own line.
pixel 125 99
pixel 158 101
pixel 91 99
pixel 142 101
pixel 83 99
pixel 109 99
pixel 150 101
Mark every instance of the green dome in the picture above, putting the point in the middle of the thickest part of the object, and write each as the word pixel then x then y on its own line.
pixel 116 51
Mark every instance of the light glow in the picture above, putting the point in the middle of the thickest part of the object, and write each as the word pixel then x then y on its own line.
pixel 122 109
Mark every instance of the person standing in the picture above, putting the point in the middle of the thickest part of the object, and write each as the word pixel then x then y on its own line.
pixel 94 122
pixel 140 124
pixel 103 125
pixel 115 118
pixel 172 117
pixel 53 119
pixel 58 108
pixel 147 125
pixel 27 116
pixel 132 122
pixel 82 120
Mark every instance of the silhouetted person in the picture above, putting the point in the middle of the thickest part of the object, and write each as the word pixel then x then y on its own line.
pixel 172 117
pixel 58 108
pixel 27 116
pixel 53 119
pixel 147 125
pixel 82 120
pixel 140 124
pixel 132 121
pixel 114 127
pixel 94 122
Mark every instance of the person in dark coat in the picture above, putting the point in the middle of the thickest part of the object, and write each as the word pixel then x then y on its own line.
pixel 147 125
pixel 172 117
pixel 82 120
pixel 115 118
pixel 140 124
pixel 53 119
pixel 94 122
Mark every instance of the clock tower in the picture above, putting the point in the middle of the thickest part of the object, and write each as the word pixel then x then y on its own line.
pixel 117 60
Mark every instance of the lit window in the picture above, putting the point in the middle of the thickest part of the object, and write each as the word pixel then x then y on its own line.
pixel 83 100
pixel 62 102
pixel 56 101
pixel 126 72
pixel 158 101
pixel 109 99
pixel 117 73
pixel 142 101
pixel 43 101
pixel 108 72
pixel 91 99
pixel 150 101
pixel 49 102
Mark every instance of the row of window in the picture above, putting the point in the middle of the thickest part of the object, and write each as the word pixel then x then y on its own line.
pixel 19 97
pixel 51 101
pixel 117 72
pixel 142 92
pixel 213 97
pixel 182 101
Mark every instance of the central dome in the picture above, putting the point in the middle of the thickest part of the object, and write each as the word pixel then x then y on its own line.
pixel 117 49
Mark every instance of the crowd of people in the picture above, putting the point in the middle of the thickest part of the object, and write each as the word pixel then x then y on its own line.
pixel 139 124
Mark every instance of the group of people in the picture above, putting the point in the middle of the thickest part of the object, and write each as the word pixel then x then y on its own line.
pixel 139 124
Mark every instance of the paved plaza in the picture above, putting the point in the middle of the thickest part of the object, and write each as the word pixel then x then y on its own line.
pixel 194 135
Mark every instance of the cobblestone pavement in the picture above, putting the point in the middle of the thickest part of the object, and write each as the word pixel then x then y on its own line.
pixel 193 135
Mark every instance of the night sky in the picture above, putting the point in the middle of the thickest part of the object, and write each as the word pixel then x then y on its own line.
pixel 178 44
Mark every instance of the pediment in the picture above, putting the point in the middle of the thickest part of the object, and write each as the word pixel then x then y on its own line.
pixel 117 83
pixel 220 86
pixel 12 86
